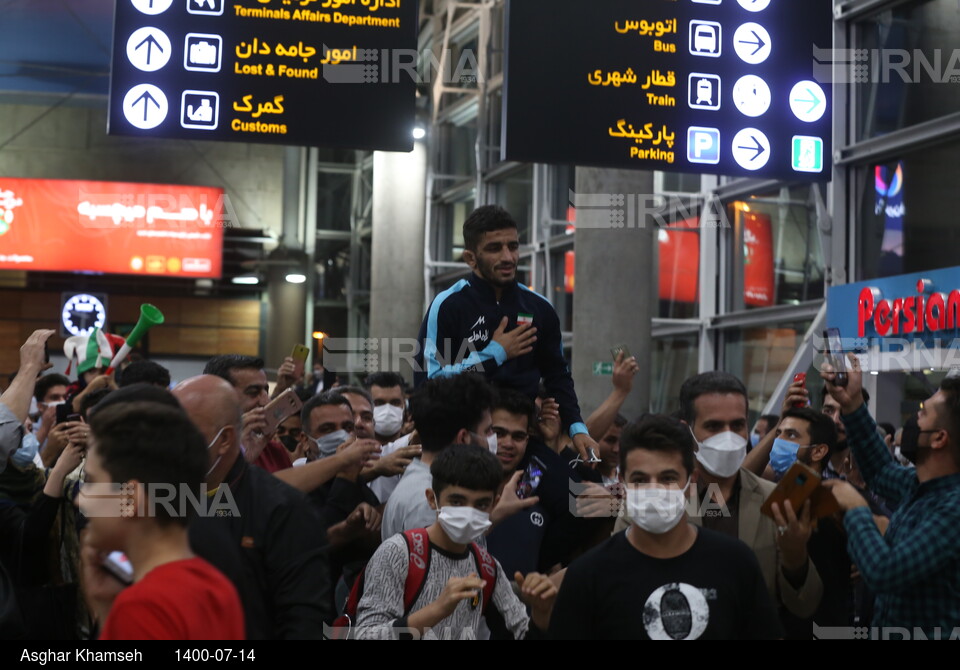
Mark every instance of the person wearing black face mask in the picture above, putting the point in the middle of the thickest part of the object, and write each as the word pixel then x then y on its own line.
pixel 910 440
pixel 289 431
pixel 914 568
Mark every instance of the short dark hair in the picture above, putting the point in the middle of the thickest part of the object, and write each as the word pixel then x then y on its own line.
pixel 704 383
pixel 467 466
pixel 486 219
pixel 141 392
pixel 145 371
pixel 356 390
pixel 332 397
pixel 303 393
pixel 93 399
pixel 514 402
pixel 444 406
pixel 385 380
pixel 620 420
pixel 771 420
pixel 824 393
pixel 154 444
pixel 222 366
pixel 657 432
pixel 46 382
pixel 820 426
pixel 950 387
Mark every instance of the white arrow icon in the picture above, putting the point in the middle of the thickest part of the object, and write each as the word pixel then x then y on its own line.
pixel 752 43
pixel 148 49
pixel 152 7
pixel 145 106
pixel 808 101
pixel 754 5
pixel 751 149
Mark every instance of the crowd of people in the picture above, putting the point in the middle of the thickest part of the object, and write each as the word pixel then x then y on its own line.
pixel 477 505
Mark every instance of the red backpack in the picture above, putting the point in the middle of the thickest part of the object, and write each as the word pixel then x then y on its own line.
pixel 418 544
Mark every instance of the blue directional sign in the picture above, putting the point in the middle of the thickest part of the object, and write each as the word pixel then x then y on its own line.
pixel 713 86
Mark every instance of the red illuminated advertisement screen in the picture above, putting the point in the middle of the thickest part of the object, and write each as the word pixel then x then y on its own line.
pixel 680 261
pixel 758 260
pixel 110 227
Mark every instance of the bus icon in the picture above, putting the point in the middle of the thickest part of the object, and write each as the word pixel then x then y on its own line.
pixel 705 38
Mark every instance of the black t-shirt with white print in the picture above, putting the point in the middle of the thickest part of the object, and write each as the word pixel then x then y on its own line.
pixel 714 590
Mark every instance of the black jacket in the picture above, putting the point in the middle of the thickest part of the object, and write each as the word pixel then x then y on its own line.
pixel 457 336
pixel 271 545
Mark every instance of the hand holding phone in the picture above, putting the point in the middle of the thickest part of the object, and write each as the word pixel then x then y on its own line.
pixel 834 354
pixel 531 478
pixel 801 377
pixel 118 565
pixel 280 409
pixel 798 485
pixel 299 355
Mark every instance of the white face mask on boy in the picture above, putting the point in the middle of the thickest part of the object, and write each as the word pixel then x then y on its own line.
pixel 463 524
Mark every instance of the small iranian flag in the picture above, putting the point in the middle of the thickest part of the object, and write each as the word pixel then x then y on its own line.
pixel 524 319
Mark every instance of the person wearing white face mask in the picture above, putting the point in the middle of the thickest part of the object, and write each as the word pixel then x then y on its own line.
pixel 714 406
pixel 663 578
pixel 446 411
pixel 389 404
pixel 388 392
pixel 458 580
pixel 382 474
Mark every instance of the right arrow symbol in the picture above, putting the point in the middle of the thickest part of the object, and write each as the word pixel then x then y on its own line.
pixel 758 148
pixel 813 101
pixel 147 99
pixel 759 43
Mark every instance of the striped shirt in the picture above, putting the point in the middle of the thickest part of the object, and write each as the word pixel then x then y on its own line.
pixel 380 614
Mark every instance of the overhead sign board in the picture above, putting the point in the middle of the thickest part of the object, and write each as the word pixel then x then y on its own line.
pixel 336 73
pixel 712 86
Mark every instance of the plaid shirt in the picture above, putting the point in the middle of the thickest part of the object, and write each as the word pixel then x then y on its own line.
pixel 915 568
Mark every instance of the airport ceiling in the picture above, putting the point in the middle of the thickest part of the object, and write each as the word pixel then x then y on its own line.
pixel 55 47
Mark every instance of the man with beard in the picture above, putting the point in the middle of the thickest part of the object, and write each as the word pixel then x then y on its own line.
pixel 492 323
pixel 808 436
pixel 914 568
pixel 834 468
pixel 714 406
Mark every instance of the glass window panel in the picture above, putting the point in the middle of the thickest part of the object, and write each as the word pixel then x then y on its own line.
pixel 515 194
pixel 672 360
pixel 458 153
pixel 906 65
pixel 778 259
pixel 678 268
pixel 450 229
pixel 908 209
pixel 678 182
pixel 562 280
pixel 563 179
pixel 333 269
pixel 494 128
pixel 334 199
pixel 760 356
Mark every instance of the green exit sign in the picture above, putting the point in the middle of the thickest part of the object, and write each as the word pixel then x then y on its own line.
pixel 602 368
